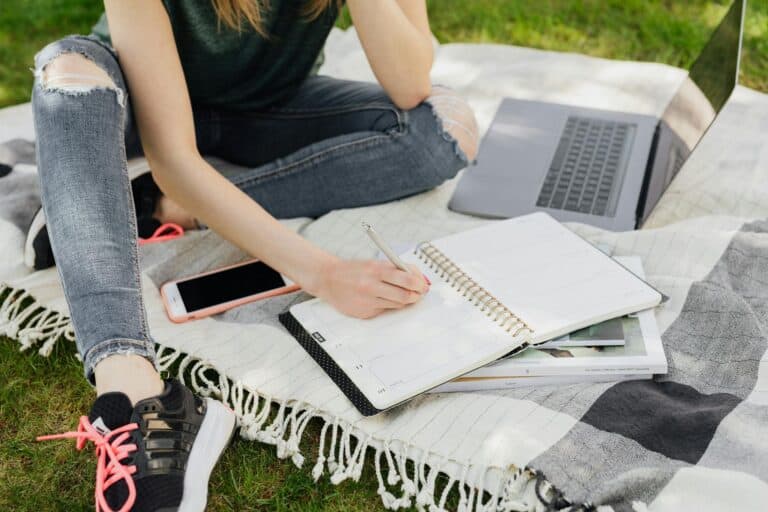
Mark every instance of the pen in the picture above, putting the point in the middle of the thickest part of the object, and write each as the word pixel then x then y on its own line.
pixel 381 244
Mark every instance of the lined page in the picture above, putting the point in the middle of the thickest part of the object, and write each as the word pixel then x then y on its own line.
pixel 399 354
pixel 546 274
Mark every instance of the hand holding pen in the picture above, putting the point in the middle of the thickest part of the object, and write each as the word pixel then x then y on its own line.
pixel 387 251
pixel 367 288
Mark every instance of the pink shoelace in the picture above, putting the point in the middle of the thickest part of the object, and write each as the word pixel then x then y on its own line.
pixel 167 231
pixel 110 450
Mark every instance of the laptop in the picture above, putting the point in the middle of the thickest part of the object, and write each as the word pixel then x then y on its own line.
pixel 599 167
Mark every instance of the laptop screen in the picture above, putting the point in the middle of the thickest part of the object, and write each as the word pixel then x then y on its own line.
pixel 693 108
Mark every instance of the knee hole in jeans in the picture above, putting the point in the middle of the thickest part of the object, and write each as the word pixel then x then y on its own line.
pixel 457 118
pixel 74 72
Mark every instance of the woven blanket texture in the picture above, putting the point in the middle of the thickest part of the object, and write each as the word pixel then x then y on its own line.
pixel 694 439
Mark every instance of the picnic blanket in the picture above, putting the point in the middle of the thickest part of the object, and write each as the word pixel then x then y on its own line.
pixel 694 439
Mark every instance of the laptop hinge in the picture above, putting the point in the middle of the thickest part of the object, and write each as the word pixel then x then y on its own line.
pixel 640 212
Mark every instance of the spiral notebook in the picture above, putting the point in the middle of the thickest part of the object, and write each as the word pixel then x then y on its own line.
pixel 495 290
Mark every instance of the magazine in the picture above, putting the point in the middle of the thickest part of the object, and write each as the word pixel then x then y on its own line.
pixel 608 333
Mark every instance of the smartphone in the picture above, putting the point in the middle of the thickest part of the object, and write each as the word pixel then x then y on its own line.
pixel 222 289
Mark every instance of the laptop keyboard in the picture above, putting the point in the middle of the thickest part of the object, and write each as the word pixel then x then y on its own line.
pixel 588 167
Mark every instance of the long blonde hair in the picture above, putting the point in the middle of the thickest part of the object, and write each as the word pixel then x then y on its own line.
pixel 233 12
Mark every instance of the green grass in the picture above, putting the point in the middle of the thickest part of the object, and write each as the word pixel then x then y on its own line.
pixel 40 395
pixel 667 31
pixel 661 30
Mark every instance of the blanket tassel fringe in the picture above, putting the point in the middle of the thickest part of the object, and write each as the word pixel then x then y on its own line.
pixel 25 320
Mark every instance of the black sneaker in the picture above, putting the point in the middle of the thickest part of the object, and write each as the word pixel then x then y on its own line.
pixel 158 455
pixel 38 254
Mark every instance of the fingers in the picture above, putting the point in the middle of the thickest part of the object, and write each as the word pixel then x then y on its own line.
pixel 368 314
pixel 374 308
pixel 384 305
pixel 379 286
pixel 396 294
pixel 417 271
pixel 413 281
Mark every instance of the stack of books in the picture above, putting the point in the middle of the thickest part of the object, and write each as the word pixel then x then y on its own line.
pixel 625 348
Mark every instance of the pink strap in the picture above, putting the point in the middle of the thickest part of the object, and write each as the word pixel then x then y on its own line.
pixel 167 231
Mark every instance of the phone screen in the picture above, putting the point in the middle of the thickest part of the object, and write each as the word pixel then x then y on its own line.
pixel 227 285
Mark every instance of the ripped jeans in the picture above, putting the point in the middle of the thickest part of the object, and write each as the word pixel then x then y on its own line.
pixel 334 144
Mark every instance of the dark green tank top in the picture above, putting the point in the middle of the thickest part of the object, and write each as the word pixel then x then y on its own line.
pixel 243 70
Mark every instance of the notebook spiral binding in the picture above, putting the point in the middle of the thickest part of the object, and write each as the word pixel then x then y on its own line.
pixel 473 292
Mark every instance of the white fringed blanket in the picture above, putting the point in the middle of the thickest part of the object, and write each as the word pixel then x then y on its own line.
pixel 693 440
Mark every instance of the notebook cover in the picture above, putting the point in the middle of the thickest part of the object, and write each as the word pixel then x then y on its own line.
pixel 328 365
pixel 337 375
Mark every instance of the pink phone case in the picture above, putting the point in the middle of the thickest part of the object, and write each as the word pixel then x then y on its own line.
pixel 224 306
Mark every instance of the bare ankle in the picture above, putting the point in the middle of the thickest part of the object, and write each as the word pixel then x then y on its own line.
pixel 168 210
pixel 131 374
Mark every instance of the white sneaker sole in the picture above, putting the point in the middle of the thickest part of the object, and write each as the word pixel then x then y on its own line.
pixel 136 167
pixel 214 435
pixel 29 251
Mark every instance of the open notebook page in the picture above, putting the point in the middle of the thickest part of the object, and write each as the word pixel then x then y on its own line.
pixel 399 354
pixel 545 274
